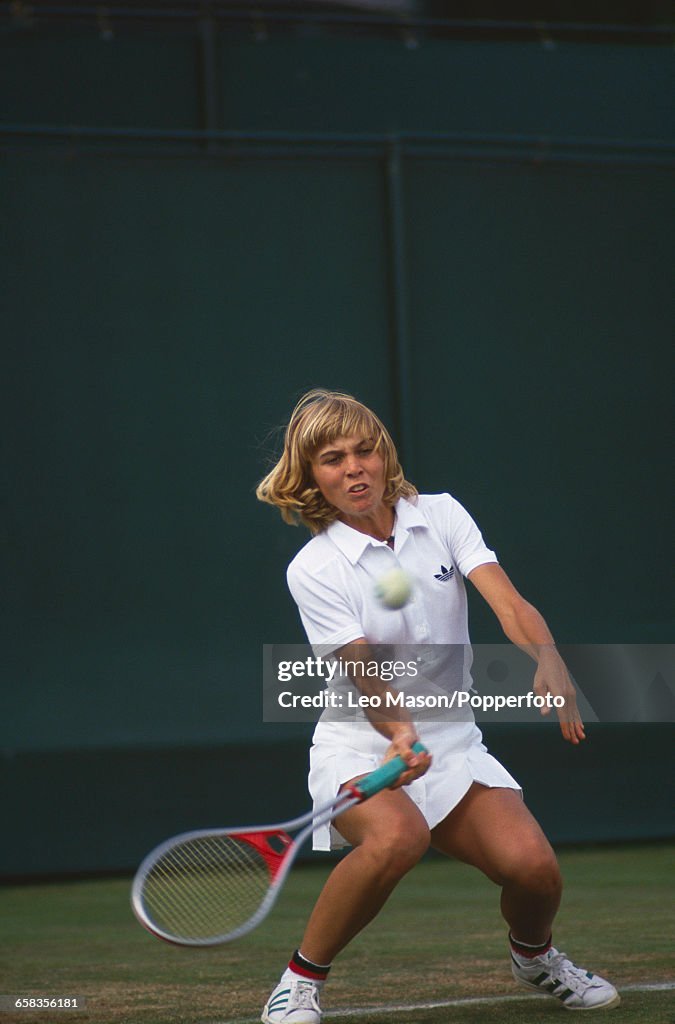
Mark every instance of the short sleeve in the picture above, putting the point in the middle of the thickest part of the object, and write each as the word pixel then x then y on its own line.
pixel 467 547
pixel 328 605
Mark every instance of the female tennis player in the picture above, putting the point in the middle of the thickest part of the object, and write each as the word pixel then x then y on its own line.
pixel 340 476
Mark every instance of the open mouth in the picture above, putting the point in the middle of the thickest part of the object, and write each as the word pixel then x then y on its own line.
pixel 358 488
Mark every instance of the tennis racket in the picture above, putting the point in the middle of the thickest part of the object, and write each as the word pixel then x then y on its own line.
pixel 208 887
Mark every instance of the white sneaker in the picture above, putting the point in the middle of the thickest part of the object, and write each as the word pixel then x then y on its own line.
pixel 295 1000
pixel 557 976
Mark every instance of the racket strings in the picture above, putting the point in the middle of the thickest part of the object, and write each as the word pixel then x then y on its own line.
pixel 205 887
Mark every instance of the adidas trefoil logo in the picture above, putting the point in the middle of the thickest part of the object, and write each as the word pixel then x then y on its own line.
pixel 445 574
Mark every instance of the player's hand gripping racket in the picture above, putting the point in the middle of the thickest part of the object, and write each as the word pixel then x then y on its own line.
pixel 209 887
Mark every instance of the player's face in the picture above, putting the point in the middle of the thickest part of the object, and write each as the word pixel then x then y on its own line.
pixel 349 472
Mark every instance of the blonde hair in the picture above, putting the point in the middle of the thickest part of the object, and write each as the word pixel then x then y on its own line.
pixel 319 418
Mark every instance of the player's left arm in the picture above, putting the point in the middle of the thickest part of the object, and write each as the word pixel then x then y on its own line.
pixel 526 627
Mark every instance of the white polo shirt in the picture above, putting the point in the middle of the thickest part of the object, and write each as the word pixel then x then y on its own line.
pixel 332 579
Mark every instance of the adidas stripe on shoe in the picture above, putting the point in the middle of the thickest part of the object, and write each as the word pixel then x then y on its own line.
pixel 295 1000
pixel 553 974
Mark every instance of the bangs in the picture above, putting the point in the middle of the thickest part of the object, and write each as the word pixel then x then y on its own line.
pixel 338 418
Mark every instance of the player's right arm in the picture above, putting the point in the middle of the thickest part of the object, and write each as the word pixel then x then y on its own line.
pixel 328 606
pixel 390 720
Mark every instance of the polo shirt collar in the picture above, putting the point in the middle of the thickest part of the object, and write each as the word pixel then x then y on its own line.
pixel 352 544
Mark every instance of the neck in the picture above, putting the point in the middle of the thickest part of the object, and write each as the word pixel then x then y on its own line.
pixel 379 526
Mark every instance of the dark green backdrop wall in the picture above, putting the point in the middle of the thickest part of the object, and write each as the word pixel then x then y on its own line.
pixel 473 236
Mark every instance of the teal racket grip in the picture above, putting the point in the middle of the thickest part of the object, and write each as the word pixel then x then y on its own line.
pixel 386 775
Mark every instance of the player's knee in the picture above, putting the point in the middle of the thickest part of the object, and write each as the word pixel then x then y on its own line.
pixel 400 849
pixel 539 871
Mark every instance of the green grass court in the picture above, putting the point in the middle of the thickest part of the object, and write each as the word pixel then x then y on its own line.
pixel 439 940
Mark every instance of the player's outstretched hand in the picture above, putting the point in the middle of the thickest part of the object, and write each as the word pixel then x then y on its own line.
pixel 552 677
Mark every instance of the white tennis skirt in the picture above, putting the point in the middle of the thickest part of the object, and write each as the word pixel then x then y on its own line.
pixel 341 751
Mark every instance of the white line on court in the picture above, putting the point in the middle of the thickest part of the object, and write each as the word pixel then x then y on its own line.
pixel 359 1011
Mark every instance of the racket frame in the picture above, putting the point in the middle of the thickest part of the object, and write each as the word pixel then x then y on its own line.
pixel 350 795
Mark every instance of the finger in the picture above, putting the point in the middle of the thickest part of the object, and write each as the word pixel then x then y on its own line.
pixel 411 759
pixel 422 766
pixel 401 747
pixel 576 722
pixel 569 733
pixel 419 765
pixel 573 730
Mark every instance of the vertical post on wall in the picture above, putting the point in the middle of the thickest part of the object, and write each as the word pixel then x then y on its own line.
pixel 207 62
pixel 398 304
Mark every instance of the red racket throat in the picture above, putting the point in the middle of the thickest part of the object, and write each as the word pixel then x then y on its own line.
pixel 272 846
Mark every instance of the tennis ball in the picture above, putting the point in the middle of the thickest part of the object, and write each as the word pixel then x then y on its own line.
pixel 394 589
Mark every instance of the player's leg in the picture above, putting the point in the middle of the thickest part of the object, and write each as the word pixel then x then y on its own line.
pixel 493 830
pixel 389 836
